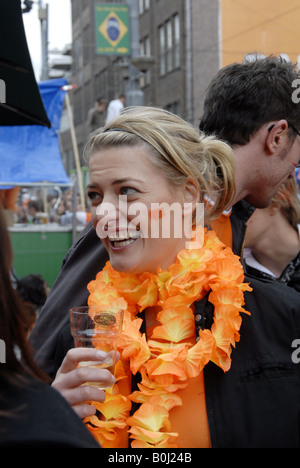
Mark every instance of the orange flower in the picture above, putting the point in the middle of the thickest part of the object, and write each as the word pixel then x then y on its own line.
pixel 145 417
pixel 200 354
pixel 115 410
pixel 138 289
pixel 175 330
pixel 165 443
pixel 133 344
pixel 167 382
pixel 168 363
pixel 146 395
pixel 144 438
pixel 169 313
pixel 223 345
pixel 114 407
pixel 226 269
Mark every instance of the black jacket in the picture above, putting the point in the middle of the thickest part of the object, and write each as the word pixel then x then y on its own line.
pixel 34 415
pixel 255 404
pixel 290 276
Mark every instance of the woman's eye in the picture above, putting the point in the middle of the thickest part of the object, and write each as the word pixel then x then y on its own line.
pixel 94 196
pixel 127 191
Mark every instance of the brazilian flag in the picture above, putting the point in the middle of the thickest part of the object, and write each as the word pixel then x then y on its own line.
pixel 112 29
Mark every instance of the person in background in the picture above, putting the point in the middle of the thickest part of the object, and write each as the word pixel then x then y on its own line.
pixel 249 105
pixel 32 414
pixel 33 208
pixel 97 115
pixel 114 108
pixel 33 292
pixel 273 238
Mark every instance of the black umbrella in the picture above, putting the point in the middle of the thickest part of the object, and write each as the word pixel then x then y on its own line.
pixel 20 99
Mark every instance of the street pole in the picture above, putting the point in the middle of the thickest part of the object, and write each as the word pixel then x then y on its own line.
pixel 43 17
pixel 75 146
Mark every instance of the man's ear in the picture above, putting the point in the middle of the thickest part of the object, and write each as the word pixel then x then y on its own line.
pixel 275 134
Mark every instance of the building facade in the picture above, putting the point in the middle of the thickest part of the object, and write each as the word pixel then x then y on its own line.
pixel 269 27
pixel 182 44
pixel 179 53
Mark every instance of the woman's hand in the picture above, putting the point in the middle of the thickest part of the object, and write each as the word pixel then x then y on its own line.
pixel 70 378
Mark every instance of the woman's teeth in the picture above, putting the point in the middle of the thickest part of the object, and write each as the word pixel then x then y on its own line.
pixel 123 240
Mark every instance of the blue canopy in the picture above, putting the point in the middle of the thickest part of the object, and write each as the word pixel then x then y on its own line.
pixel 31 153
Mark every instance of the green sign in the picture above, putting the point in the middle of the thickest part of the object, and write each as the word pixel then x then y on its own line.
pixel 112 29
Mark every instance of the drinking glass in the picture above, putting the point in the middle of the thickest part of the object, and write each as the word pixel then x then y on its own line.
pixel 100 329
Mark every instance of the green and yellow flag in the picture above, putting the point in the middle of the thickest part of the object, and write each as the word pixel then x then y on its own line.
pixel 112 29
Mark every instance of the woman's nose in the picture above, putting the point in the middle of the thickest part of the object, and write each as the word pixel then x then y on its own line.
pixel 112 216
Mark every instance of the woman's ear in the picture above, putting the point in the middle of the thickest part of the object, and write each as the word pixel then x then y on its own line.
pixel 191 199
pixel 191 192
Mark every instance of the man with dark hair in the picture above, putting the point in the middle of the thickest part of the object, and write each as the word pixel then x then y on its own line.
pixel 250 106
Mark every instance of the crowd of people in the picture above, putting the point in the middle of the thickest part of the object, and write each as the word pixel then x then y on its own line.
pixel 59 208
pixel 205 354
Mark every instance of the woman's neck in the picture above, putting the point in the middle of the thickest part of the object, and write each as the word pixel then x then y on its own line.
pixel 277 248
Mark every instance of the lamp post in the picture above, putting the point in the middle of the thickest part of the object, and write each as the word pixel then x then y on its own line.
pixel 43 17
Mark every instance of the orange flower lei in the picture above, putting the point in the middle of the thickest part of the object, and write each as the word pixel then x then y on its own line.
pixel 167 361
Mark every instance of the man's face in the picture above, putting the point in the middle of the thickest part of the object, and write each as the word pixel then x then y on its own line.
pixel 272 171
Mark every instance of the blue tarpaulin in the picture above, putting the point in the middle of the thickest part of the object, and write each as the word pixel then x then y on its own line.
pixel 31 153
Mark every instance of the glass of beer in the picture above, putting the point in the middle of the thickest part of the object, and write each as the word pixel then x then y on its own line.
pixel 97 328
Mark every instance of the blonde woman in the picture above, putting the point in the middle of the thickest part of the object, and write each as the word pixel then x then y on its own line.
pixel 273 238
pixel 178 382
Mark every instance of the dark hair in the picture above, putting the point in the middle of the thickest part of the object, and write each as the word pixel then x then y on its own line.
pixel 35 204
pixel 31 288
pixel 245 96
pixel 12 317
pixel 101 100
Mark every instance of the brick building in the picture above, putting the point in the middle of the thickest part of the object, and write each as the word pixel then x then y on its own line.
pixel 179 48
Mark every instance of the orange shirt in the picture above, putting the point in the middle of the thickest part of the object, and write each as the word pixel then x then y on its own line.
pixel 223 229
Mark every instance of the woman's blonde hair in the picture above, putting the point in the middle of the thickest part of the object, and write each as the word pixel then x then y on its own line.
pixel 177 149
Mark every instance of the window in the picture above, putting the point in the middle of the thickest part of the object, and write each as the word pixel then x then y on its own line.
pixel 174 107
pixel 145 51
pixel 143 6
pixel 176 41
pixel 162 53
pixel 169 45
